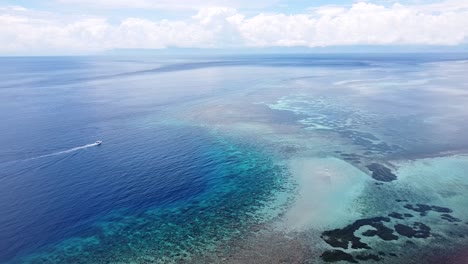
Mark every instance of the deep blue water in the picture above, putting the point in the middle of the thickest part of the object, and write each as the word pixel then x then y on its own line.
pixel 57 196
pixel 152 176
pixel 56 185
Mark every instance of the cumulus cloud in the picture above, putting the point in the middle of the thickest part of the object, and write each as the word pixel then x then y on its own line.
pixel 29 31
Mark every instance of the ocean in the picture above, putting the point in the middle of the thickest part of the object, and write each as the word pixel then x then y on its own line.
pixel 238 159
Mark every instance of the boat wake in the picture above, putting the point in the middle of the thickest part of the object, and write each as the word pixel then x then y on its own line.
pixel 97 143
pixel 47 163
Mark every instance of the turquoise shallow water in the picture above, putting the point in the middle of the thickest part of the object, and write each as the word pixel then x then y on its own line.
pixel 202 154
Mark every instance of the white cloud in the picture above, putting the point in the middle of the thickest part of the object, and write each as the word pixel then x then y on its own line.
pixel 169 4
pixel 13 9
pixel 445 23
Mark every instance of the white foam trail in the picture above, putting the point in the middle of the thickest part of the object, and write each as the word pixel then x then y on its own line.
pixel 65 151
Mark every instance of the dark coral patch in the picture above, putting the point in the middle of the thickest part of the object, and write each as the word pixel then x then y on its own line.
pixel 419 230
pixel 449 218
pixel 440 209
pixel 342 237
pixel 365 256
pixel 337 255
pixel 384 232
pixel 366 140
pixel 381 173
pixel 396 215
pixel 399 215
pixel 370 233
pixel 350 157
pixel 422 209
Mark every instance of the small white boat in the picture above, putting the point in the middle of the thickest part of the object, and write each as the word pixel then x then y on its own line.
pixel 98 143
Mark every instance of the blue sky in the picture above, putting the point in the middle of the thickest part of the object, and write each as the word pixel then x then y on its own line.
pixel 93 26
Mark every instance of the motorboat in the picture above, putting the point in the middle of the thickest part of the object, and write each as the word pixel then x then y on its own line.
pixel 98 143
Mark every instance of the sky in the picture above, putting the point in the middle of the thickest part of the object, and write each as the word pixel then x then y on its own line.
pixel 93 26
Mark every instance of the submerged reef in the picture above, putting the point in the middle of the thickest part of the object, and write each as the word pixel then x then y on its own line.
pixel 389 228
pixel 396 215
pixel 352 158
pixel 400 216
pixel 422 209
pixel 381 173
pixel 368 256
pixel 327 115
pixel 343 237
pixel 418 230
pixel 337 255
pixel 449 218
